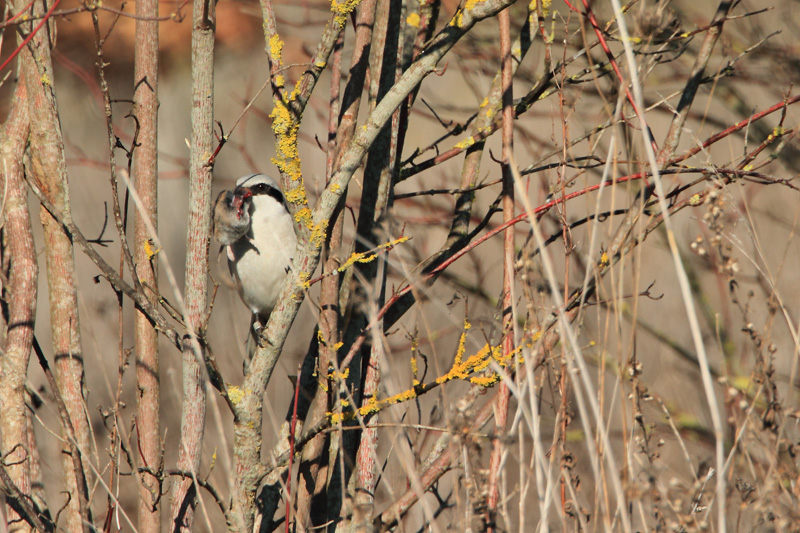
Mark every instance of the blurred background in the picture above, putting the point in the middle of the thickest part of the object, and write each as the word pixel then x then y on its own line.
pixel 739 246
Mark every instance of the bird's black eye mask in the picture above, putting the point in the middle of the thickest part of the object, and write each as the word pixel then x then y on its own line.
pixel 265 189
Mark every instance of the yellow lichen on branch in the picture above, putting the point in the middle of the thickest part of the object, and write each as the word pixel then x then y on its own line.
pixel 478 363
pixel 462 369
pixel 534 4
pixel 466 143
pixel 462 343
pixel 150 249
pixel 333 374
pixel 458 18
pixel 369 256
pixel 318 233
pixel 285 125
pixel 373 405
pixel 304 217
pixel 296 196
pixel 276 52
pixel 342 9
pixel 237 394
pixel 414 368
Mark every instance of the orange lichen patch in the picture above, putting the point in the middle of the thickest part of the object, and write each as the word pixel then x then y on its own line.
pixel 276 53
pixel 414 367
pixel 474 363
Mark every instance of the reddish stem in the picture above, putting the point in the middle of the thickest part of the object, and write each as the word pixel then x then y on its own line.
pixel 21 11
pixel 593 20
pixel 501 411
pixel 31 35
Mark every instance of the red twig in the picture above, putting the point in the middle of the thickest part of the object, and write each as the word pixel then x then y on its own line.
pixel 21 11
pixel 546 206
pixel 600 37
pixel 458 255
pixel 31 35
pixel 733 129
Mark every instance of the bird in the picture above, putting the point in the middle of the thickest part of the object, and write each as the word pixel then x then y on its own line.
pixel 252 222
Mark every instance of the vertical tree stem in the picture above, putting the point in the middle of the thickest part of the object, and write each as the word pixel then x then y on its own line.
pixel 50 171
pixel 145 177
pixel 376 201
pixel 501 407
pixel 19 261
pixel 199 229
pixel 311 473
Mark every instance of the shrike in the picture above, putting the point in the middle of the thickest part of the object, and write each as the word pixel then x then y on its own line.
pixel 254 226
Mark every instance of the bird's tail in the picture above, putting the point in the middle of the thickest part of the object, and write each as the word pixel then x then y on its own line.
pixel 252 342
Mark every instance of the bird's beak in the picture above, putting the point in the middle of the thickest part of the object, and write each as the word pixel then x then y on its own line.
pixel 240 194
pixel 243 192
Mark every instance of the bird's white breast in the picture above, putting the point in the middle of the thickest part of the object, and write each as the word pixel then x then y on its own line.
pixel 261 259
